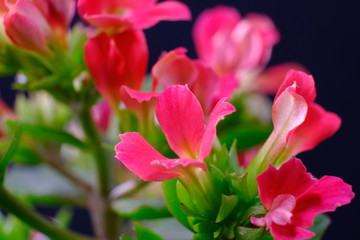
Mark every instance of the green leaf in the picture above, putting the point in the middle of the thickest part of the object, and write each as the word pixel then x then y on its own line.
pixel 173 203
pixel 228 203
pixel 141 209
pixel 39 181
pixel 238 184
pixel 49 134
pixel 321 223
pixel 5 160
pixel 253 211
pixel 27 156
pixel 246 233
pixel 203 236
pixel 247 135
pixel 144 233
pixel 168 228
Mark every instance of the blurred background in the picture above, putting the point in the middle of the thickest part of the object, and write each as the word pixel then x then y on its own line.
pixel 324 36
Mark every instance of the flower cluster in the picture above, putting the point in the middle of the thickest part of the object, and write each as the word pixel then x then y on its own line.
pixel 188 123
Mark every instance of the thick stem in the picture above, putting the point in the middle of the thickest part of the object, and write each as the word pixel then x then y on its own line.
pixel 93 139
pixel 35 220
pixel 106 222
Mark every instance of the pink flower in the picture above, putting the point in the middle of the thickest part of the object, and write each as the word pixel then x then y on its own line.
pixel 182 120
pixel 119 15
pixel 123 59
pixel 293 198
pixel 33 24
pixel 240 47
pixel 299 123
pixel 175 67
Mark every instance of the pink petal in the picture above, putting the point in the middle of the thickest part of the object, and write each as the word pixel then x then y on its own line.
pixel 25 33
pixel 270 80
pixel 217 21
pixel 124 60
pixel 206 86
pixel 228 84
pixel 182 120
pixel 137 155
pixel 167 10
pixel 102 48
pixel 143 103
pixel 325 196
pixel 221 109
pixel 290 178
pixel 108 22
pixel 133 47
pixel 178 165
pixel 288 112
pixel 305 85
pixel 290 232
pixel 318 126
pixel 174 68
pixel 280 212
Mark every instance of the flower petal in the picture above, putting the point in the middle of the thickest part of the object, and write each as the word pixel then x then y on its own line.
pixel 270 80
pixel 219 21
pixel 137 154
pixel 318 126
pixel 221 109
pixel 167 10
pixel 25 33
pixel 290 232
pixel 288 112
pixel 325 196
pixel 305 85
pixel 174 68
pixel 181 119
pixel 178 165
pixel 290 178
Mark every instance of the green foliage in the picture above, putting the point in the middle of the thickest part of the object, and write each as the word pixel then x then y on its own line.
pixel 172 202
pixel 10 152
pixel 144 233
pixel 47 134
pixel 141 209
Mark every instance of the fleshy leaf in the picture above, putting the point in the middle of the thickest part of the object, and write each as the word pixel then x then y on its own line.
pixel 5 160
pixel 141 209
pixel 172 202
pixel 246 233
pixel 143 233
pixel 228 204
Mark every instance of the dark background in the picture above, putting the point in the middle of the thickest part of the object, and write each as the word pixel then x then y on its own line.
pixel 324 36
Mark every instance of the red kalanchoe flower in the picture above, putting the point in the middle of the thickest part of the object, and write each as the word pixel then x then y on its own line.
pixel 181 118
pixel 175 67
pixel 119 15
pixel 299 124
pixel 293 198
pixel 240 47
pixel 124 59
pixel 33 24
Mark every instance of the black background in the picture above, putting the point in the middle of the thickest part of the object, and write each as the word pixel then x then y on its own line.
pixel 322 35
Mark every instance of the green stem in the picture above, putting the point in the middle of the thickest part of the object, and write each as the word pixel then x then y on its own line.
pixel 102 163
pixel 106 222
pixel 12 205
